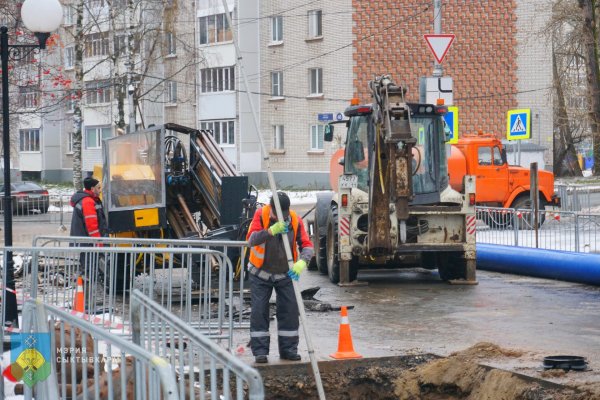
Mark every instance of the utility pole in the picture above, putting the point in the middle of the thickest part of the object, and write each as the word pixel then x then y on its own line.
pixel 130 65
pixel 437 29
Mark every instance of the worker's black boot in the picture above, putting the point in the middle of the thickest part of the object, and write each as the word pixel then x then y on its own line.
pixel 290 356
pixel 261 359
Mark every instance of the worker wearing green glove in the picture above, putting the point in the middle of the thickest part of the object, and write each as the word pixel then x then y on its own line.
pixel 269 269
pixel 297 269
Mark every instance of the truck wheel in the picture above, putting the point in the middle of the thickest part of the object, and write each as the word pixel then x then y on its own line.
pixel 332 261
pixel 526 220
pixel 333 264
pixel 318 262
pixel 452 266
pixel 320 230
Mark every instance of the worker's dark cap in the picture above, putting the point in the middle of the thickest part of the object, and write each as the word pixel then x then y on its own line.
pixel 284 202
pixel 89 183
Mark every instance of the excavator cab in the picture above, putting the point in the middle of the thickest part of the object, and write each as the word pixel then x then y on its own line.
pixel 428 155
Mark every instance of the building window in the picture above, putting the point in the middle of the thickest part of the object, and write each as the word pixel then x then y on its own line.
pixel 277 84
pixel 96 44
pixel 316 81
pixel 95 135
pixel 171 92
pixel 28 96
pixel 223 131
pixel 277 29
pixel 217 79
pixel 316 137
pixel 170 42
pixel 315 20
pixel 29 140
pixel 70 15
pixel 98 92
pixel 70 101
pixel 214 29
pixel 25 56
pixel 120 45
pixel 278 143
pixel 95 3
pixel 69 57
pixel 70 142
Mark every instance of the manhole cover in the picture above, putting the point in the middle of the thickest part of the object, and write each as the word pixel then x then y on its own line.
pixel 567 363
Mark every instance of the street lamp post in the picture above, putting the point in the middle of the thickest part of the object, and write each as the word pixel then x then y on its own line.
pixel 40 17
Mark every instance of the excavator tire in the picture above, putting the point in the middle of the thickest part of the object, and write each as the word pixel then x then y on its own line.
pixel 319 237
pixel 452 266
pixel 332 252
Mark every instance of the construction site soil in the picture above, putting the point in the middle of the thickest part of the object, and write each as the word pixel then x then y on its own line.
pixel 427 377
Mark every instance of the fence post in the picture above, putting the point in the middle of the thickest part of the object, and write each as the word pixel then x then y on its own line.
pixel 535 198
pixel 515 225
pixel 577 232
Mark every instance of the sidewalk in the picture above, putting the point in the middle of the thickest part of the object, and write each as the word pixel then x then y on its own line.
pixel 24 232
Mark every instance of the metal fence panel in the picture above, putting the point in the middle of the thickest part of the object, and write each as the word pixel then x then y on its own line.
pixel 207 367
pixel 194 284
pixel 82 358
pixel 230 248
pixel 556 230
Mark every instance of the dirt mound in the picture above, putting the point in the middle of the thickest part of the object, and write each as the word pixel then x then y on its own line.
pixel 459 376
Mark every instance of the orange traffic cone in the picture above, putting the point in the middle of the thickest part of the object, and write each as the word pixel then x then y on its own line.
pixel 79 302
pixel 345 346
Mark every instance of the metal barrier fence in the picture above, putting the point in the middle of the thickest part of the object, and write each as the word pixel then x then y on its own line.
pixel 53 209
pixel 230 248
pixel 575 197
pixel 194 284
pixel 209 368
pixel 89 362
pixel 556 230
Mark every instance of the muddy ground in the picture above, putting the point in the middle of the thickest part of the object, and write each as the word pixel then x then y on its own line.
pixel 428 377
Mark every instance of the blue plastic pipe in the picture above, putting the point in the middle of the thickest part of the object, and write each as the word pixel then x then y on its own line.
pixel 551 264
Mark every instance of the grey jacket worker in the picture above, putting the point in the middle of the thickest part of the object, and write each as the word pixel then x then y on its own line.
pixel 273 275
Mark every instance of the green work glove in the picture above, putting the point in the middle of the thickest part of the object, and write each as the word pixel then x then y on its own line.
pixel 278 228
pixel 297 269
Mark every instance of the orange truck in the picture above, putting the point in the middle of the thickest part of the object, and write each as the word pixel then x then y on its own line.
pixel 498 184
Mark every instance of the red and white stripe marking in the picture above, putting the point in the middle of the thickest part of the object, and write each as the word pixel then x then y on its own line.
pixel 471 222
pixel 344 226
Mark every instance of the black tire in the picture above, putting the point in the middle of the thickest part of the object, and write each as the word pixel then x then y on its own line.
pixel 524 203
pixel 320 231
pixel 332 252
pixel 319 243
pixel 452 266
pixel 333 263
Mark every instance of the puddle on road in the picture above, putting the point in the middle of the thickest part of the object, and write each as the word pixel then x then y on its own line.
pixel 412 377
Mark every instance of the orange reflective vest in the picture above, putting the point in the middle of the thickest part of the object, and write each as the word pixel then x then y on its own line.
pixel 257 253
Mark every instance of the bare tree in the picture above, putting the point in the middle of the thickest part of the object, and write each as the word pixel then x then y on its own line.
pixel 589 35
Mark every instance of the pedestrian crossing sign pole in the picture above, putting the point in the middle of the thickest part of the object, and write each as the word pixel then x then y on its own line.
pixel 518 127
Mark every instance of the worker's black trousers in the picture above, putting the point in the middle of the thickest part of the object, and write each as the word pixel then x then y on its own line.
pixel 287 315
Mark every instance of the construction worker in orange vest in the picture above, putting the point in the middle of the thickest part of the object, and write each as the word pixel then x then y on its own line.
pixel 268 270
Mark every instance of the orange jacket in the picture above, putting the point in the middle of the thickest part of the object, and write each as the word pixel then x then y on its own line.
pixel 262 221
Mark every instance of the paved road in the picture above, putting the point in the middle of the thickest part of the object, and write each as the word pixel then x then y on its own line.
pixel 404 312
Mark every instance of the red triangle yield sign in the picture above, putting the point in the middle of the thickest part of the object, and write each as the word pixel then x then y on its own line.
pixel 439 45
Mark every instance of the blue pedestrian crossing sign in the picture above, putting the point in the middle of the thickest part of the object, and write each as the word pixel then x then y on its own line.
pixel 451 118
pixel 518 124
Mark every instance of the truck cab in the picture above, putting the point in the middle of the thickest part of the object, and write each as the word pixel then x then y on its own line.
pixel 498 183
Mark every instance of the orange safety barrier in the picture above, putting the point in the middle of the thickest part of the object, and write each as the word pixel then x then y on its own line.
pixel 345 346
